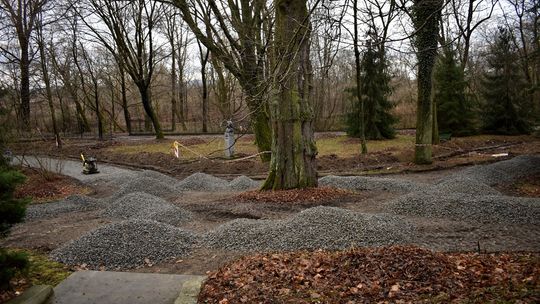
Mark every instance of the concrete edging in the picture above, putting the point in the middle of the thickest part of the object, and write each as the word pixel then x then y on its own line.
pixel 37 294
pixel 190 290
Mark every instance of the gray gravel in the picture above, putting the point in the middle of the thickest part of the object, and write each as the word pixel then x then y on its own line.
pixel 314 228
pixel 127 244
pixel 505 171
pixel 73 203
pixel 171 181
pixel 243 183
pixel 463 184
pixel 146 206
pixel 202 182
pixel 369 183
pixel 146 184
pixel 467 207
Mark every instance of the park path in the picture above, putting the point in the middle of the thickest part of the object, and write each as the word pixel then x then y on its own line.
pixel 107 173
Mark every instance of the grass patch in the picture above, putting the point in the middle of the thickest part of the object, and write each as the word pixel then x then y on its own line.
pixel 342 146
pixel 41 270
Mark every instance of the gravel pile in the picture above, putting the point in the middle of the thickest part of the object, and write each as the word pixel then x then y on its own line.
pixel 243 183
pixel 160 177
pixel 360 183
pixel 126 244
pixel 202 182
pixel 314 228
pixel 146 184
pixel 73 203
pixel 463 184
pixel 146 206
pixel 505 171
pixel 467 207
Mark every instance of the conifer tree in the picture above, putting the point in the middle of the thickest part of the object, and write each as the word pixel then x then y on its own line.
pixel 454 110
pixel 11 212
pixel 374 89
pixel 504 89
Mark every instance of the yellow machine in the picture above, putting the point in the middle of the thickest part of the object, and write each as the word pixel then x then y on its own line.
pixel 89 165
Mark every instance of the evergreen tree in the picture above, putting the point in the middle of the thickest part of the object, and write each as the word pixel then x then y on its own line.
pixel 11 212
pixel 504 89
pixel 375 88
pixel 454 111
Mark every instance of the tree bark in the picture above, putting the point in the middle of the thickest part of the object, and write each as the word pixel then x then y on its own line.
pixel 48 91
pixel 24 66
pixel 358 82
pixel 150 113
pixel 123 89
pixel 426 15
pixel 293 163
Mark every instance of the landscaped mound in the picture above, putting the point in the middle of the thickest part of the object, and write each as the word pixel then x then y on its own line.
pixel 375 275
pixel 369 183
pixel 243 183
pixel 293 196
pixel 202 182
pixel 146 206
pixel 127 244
pixel 150 185
pixel 467 207
pixel 314 228
pixel 73 203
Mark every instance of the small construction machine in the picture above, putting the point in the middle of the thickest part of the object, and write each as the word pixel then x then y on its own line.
pixel 89 165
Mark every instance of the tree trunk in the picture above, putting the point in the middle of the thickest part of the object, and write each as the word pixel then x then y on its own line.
pixel 358 82
pixel 123 88
pixel 173 88
pixel 435 136
pixel 293 163
pixel 98 112
pixel 24 66
pixel 204 99
pixel 426 14
pixel 48 91
pixel 150 113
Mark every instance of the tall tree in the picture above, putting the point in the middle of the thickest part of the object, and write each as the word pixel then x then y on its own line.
pixel 239 38
pixel 425 17
pixel 374 92
pixel 361 112
pixel 47 81
pixel 504 90
pixel 130 38
pixel 23 17
pixel 293 163
pixel 454 110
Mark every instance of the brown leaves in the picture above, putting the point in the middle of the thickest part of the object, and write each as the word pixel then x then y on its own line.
pixel 372 275
pixel 293 196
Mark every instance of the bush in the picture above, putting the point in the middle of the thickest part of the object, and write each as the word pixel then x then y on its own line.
pixel 11 212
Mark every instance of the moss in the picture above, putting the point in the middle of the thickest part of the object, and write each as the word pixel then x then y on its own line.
pixel 41 270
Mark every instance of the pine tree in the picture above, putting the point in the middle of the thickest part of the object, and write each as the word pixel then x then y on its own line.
pixel 11 212
pixel 504 89
pixel 375 88
pixel 454 111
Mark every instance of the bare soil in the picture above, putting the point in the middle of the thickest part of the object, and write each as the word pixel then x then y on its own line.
pixel 450 154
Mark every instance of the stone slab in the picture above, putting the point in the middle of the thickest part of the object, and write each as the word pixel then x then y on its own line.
pixel 102 287
pixel 37 294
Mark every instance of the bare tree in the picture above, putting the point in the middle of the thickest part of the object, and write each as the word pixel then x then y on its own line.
pixel 47 79
pixel 23 18
pixel 130 38
pixel 238 38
